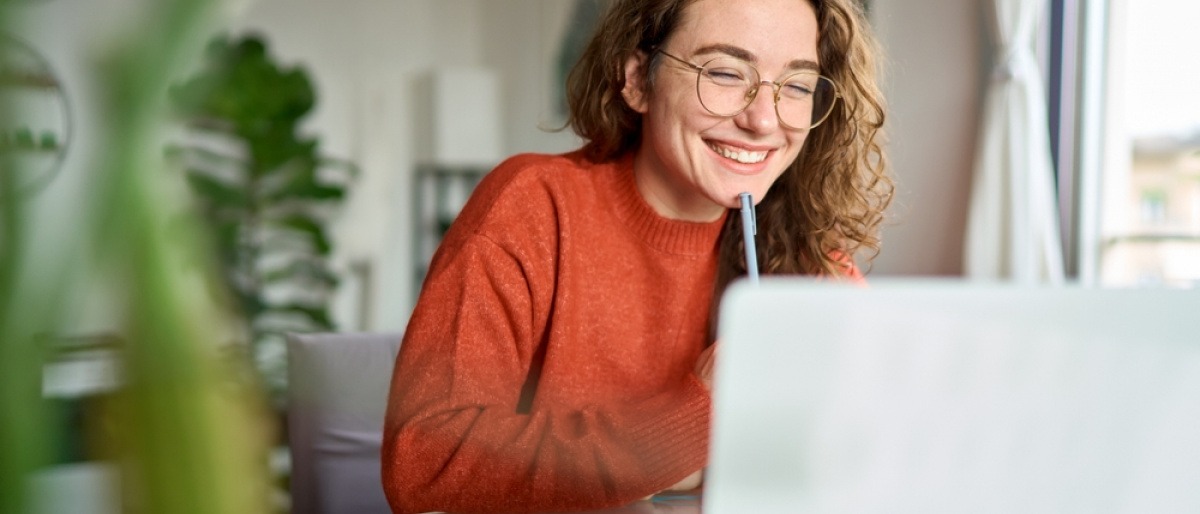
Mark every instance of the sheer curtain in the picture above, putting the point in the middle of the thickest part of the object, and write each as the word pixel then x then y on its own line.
pixel 1012 226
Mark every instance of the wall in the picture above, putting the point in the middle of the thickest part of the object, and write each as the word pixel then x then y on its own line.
pixel 523 36
pixel 936 50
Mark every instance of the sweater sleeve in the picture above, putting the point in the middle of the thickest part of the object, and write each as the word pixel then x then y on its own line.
pixel 454 439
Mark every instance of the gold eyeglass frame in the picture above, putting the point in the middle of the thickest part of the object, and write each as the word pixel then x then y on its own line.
pixel 752 92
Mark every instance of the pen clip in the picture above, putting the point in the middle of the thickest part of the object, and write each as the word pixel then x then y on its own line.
pixel 748 207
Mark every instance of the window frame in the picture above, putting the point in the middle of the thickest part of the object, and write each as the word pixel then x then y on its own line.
pixel 1077 100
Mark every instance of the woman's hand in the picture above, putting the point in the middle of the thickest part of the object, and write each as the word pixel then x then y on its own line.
pixel 692 481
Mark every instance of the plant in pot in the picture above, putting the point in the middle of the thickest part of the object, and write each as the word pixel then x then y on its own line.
pixel 265 191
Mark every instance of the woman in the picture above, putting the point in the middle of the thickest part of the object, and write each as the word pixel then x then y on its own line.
pixel 560 355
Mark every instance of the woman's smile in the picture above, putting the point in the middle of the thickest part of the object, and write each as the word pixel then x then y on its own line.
pixel 741 155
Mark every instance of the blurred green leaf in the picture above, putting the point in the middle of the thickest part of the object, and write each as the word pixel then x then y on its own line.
pixel 318 315
pixel 193 437
pixel 218 194
pixel 310 229
pixel 301 272
pixel 209 158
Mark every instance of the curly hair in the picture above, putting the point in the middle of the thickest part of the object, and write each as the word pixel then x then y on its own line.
pixel 828 204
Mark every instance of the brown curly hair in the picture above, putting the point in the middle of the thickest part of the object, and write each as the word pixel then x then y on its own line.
pixel 828 204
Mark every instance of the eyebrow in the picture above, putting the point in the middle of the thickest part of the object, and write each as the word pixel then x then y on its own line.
pixel 745 55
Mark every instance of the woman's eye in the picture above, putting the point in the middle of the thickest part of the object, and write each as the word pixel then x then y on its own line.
pixel 797 90
pixel 725 76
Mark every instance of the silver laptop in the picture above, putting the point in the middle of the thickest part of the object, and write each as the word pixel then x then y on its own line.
pixel 938 396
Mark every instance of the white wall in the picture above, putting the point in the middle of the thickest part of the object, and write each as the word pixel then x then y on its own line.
pixel 523 37
pixel 936 55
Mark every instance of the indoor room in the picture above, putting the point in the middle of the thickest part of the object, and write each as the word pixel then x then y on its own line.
pixel 219 217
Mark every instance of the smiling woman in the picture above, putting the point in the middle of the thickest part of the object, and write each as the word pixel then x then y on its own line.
pixel 687 166
pixel 831 209
pixel 560 354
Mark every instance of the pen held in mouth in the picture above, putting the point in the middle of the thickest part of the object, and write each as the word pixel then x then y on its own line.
pixel 749 229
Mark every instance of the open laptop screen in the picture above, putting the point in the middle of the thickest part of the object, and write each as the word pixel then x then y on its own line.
pixel 938 396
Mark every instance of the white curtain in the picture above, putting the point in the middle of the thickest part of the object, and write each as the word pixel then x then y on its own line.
pixel 1012 225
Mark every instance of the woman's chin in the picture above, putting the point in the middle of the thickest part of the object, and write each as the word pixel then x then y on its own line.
pixel 734 200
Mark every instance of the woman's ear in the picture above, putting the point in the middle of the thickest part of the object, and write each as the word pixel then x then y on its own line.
pixel 634 90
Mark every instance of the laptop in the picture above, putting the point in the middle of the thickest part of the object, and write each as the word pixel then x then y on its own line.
pixel 943 396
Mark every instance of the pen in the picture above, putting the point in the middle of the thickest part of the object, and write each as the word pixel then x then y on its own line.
pixel 749 229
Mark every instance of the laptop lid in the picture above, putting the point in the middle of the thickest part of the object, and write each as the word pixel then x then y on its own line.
pixel 939 396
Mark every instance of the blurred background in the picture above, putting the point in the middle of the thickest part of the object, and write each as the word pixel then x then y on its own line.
pixel 313 152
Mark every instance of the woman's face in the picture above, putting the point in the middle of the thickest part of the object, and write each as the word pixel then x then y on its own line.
pixel 691 164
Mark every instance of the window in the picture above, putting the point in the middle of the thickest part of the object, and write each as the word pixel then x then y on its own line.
pixel 1137 142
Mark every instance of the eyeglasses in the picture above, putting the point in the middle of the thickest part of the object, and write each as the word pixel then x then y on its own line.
pixel 727 85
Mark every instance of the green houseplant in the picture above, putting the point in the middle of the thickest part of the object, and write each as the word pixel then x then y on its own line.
pixel 192 438
pixel 265 189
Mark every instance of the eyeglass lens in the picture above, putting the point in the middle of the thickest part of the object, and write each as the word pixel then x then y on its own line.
pixel 726 86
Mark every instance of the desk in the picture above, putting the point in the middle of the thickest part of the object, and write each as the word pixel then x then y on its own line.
pixel 689 504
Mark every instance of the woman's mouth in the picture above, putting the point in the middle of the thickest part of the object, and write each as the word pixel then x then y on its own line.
pixel 739 154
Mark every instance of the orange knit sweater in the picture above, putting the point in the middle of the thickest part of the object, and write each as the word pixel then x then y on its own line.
pixel 548 363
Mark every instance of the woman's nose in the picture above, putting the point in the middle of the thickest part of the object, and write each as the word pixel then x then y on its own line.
pixel 759 115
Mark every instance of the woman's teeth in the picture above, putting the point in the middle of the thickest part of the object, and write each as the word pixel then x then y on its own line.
pixel 741 156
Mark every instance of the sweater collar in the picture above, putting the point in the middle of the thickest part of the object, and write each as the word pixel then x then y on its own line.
pixel 668 235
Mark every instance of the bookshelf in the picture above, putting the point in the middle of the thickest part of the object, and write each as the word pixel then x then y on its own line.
pixel 439 193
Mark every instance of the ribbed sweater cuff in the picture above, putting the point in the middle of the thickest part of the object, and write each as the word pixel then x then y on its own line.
pixel 675 441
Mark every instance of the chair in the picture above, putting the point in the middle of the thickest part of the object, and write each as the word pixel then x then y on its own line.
pixel 338 388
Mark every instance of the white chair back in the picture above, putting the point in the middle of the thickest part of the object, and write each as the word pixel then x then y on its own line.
pixel 338 389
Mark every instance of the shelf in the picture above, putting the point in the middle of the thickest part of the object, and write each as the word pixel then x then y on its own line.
pixel 439 192
pixel 38 132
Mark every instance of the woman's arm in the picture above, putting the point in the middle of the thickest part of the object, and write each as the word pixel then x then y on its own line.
pixel 454 439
